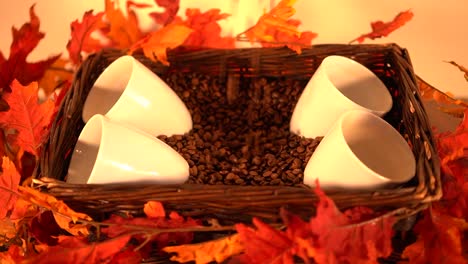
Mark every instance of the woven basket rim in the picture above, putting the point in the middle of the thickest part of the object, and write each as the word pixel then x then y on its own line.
pixel 224 61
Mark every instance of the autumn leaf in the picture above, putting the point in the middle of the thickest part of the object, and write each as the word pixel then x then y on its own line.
pixel 14 255
pixel 119 225
pixel 452 148
pixel 45 229
pixel 207 252
pixel 26 116
pixel 57 76
pixel 461 68
pixel 383 29
pixel 171 8
pixel 122 30
pixel 81 39
pixel 206 30
pixel 77 250
pixel 7 231
pixel 154 209
pixel 25 40
pixel 155 44
pixel 276 29
pixel 445 101
pixel 329 237
pixel 9 182
pixel 439 240
pixel 65 217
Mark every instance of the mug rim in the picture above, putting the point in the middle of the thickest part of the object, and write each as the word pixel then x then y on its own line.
pixel 396 136
pixel 384 93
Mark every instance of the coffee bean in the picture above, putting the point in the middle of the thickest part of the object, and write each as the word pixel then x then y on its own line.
pixel 244 141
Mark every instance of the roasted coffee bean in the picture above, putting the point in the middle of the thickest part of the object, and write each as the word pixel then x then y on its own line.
pixel 244 140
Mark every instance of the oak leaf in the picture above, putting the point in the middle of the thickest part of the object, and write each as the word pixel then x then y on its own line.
pixel 383 29
pixel 9 182
pixel 81 36
pixel 26 116
pixel 64 216
pixel 276 29
pixel 171 8
pixel 155 44
pixel 16 67
pixel 206 29
pixel 215 250
pixel 77 250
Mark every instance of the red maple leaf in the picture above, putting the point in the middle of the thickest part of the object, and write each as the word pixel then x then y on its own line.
pixel 329 237
pixel 442 231
pixel 440 238
pixel 77 250
pixel 9 181
pixel 156 220
pixel 24 41
pixel 81 40
pixel 206 30
pixel 166 17
pixel 26 116
pixel 383 29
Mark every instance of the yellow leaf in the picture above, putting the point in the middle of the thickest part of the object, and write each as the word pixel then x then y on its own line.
pixel 65 217
pixel 206 252
pixel 156 43
pixel 55 76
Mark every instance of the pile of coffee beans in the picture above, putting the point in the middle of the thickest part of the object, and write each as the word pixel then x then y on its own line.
pixel 240 130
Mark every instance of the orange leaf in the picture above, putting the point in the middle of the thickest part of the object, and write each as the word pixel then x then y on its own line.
pixel 77 250
pixel 65 217
pixel 9 182
pixel 55 76
pixel 81 40
pixel 206 30
pixel 154 209
pixel 27 117
pixel 383 29
pixel 24 42
pixel 123 30
pixel 156 43
pixel 461 68
pixel 207 252
pixel 446 103
pixel 275 29
pixel 7 230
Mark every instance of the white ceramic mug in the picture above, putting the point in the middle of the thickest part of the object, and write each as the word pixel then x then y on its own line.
pixel 339 84
pixel 130 93
pixel 361 151
pixel 108 152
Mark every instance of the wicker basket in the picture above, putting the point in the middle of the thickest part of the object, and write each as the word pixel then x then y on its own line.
pixel 240 203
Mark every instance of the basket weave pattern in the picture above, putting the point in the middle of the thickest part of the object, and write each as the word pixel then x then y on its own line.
pixel 239 203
